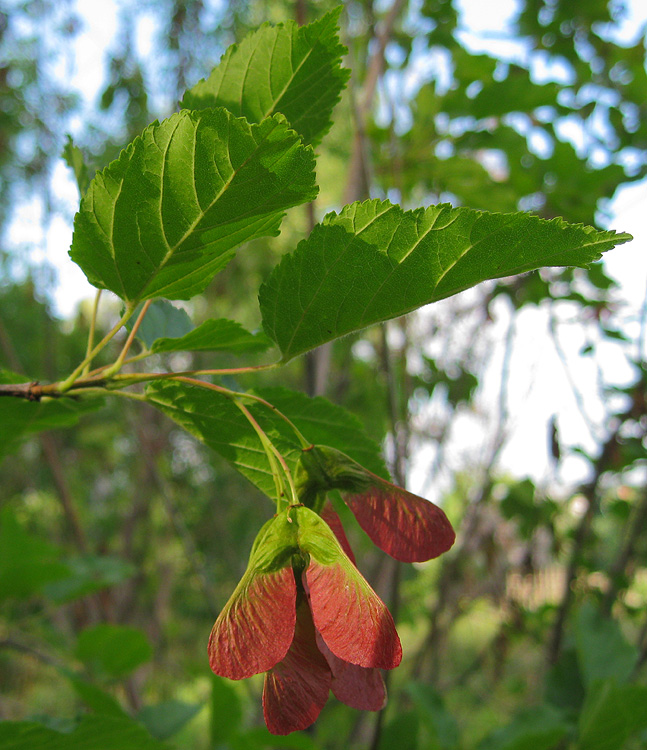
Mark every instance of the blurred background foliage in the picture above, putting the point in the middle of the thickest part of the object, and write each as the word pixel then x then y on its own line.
pixel 121 538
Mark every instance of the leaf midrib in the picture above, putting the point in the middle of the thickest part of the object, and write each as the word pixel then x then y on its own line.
pixel 363 322
pixel 202 212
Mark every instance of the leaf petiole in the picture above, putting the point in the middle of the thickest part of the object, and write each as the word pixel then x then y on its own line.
pixel 93 324
pixel 66 384
pixel 119 362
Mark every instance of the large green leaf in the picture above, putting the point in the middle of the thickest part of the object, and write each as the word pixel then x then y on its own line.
pixel 166 216
pixel 217 421
pixel 286 68
pixel 375 261
pixel 19 417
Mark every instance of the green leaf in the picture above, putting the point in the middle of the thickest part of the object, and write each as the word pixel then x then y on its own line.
pixel 92 733
pixel 538 728
pixel 87 575
pixel 76 161
pixel 166 719
pixel 27 563
pixel 19 417
pixel 166 216
pixel 215 420
pixel 215 335
pixel 375 261
pixel 113 650
pixel 162 319
pixel 286 68
pixel 602 650
pixel 611 715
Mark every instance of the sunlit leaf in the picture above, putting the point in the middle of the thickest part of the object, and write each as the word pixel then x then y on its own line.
pixel 166 216
pixel 285 68
pixel 375 261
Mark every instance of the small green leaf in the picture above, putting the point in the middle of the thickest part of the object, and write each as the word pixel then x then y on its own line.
pixel 215 420
pixel 286 68
pixel 166 719
pixel 113 650
pixel 374 261
pixel 76 161
pixel 213 336
pixel 162 319
pixel 166 216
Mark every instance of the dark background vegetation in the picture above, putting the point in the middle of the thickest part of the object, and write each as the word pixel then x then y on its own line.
pixel 121 539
